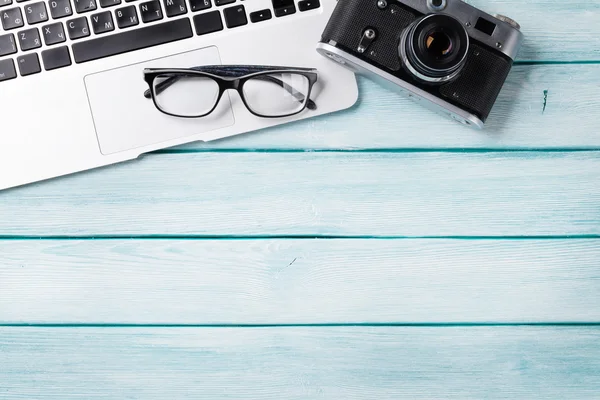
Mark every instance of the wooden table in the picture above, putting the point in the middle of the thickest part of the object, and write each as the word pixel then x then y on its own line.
pixel 381 252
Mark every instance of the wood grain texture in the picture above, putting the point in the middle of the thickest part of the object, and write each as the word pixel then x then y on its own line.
pixel 339 194
pixel 277 281
pixel 241 282
pixel 300 363
pixel 541 106
pixel 553 29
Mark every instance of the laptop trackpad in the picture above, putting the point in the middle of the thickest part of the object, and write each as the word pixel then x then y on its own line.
pixel 125 119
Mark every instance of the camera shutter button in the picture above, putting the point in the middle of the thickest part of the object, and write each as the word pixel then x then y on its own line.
pixel 436 5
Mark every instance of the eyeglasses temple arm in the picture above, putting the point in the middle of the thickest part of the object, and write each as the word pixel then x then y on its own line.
pixel 162 86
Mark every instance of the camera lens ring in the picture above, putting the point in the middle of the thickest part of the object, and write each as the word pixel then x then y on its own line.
pixel 434 48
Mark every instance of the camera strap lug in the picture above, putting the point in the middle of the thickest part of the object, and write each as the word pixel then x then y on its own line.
pixel 366 40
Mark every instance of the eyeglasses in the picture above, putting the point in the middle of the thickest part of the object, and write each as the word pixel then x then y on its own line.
pixel 266 91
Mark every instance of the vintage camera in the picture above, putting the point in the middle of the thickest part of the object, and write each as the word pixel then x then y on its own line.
pixel 445 54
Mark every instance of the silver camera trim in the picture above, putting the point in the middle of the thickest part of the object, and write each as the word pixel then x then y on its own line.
pixel 413 92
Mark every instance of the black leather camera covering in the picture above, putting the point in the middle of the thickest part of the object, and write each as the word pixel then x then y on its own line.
pixel 480 81
pixel 474 90
pixel 352 17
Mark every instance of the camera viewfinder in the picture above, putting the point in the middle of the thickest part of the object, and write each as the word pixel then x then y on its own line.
pixel 485 26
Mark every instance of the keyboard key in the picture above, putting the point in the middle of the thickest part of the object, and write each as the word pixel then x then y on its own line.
pixel 7 70
pixel 36 13
pixel 102 22
pixel 151 11
pixel 21 1
pixel 29 39
pixel 235 16
pixel 29 64
pixel 223 2
pixel 261 15
pixel 199 5
pixel 175 7
pixel 126 17
pixel 82 6
pixel 148 36
pixel 208 22
pixel 12 18
pixel 283 7
pixel 109 3
pixel 7 44
pixel 60 8
pixel 5 3
pixel 56 58
pixel 53 33
pixel 78 28
pixel 306 5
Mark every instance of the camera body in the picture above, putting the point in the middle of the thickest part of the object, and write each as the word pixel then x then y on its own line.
pixel 445 54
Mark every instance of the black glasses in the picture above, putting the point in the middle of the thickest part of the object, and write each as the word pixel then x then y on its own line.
pixel 266 91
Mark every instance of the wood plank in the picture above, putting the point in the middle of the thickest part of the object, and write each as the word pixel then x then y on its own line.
pixel 338 194
pixel 243 282
pixel 382 119
pixel 553 29
pixel 300 363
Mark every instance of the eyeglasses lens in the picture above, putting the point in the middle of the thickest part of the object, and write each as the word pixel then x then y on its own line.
pixel 276 94
pixel 185 95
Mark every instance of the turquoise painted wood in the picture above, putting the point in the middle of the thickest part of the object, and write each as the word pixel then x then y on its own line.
pixel 118 283
pixel 540 107
pixel 554 29
pixel 300 363
pixel 340 194
pixel 211 282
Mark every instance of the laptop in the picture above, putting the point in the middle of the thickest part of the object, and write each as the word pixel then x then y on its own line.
pixel 72 84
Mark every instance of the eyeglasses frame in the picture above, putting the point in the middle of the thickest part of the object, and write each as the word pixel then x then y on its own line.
pixel 231 82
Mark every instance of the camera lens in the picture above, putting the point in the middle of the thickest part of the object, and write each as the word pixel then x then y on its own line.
pixel 434 48
pixel 438 44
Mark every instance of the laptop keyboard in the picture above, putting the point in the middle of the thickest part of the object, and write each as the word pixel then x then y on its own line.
pixel 33 34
